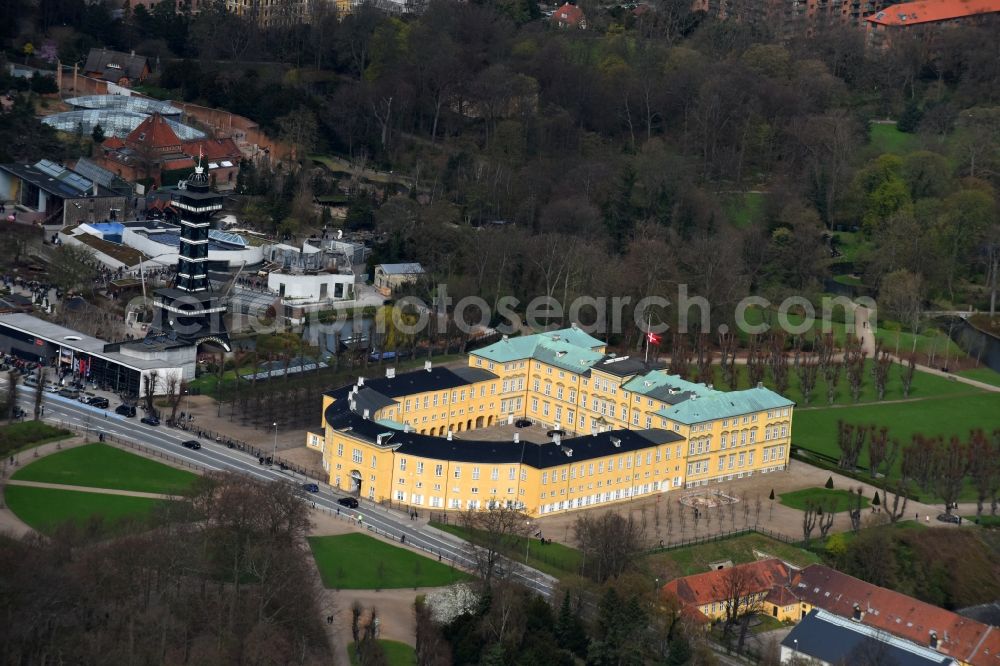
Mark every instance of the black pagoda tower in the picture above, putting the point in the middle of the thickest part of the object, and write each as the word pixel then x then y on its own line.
pixel 189 311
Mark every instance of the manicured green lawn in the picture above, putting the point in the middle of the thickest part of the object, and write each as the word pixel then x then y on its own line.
pixel 103 466
pixel 696 559
pixel 396 653
pixel 927 342
pixel 360 562
pixel 885 138
pixel 816 429
pixel 839 499
pixel 16 436
pixel 849 243
pixel 925 385
pixel 984 374
pixel 553 558
pixel 848 280
pixel 46 508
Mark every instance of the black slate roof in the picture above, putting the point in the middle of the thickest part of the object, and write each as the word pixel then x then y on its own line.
pixel 541 456
pixel 834 643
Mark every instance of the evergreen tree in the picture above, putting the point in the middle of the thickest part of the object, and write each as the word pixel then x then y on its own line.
pixel 98 134
pixel 570 632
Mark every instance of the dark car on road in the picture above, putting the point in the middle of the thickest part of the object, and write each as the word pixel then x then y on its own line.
pixel 99 402
pixel 70 393
pixel 349 502
pixel 949 518
pixel 192 444
pixel 522 423
pixel 150 420
pixel 310 487
pixel 125 410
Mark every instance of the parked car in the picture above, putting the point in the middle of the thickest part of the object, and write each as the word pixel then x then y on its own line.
pixel 310 487
pixel 99 402
pixel 192 444
pixel 70 393
pixel 522 423
pixel 949 518
pixel 150 420
pixel 349 502
pixel 125 410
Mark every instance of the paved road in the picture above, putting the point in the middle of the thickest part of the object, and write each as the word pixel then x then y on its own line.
pixel 215 457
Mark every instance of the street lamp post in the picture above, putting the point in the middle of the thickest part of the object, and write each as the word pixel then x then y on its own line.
pixel 527 540
pixel 274 452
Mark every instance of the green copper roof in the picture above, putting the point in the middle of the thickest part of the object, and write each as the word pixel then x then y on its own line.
pixel 721 405
pixel 653 383
pixel 569 349
pixel 574 336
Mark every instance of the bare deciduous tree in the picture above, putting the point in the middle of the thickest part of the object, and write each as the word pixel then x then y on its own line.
pixel 609 544
pixel 498 529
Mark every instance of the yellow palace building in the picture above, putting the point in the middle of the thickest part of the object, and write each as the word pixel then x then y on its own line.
pixel 622 429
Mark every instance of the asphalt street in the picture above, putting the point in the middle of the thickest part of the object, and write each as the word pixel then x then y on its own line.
pixel 216 457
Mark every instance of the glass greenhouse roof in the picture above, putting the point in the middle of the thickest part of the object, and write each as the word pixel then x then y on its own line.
pixel 114 122
pixel 124 103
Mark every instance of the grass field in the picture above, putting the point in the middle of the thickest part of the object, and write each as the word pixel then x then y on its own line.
pixel 925 385
pixel 16 436
pixel 396 654
pixel 45 508
pixel 696 559
pixel 987 375
pixel 360 562
pixel 103 466
pixel 554 559
pixel 744 209
pixel 816 429
pixel 838 499
pixel 885 138
pixel 928 342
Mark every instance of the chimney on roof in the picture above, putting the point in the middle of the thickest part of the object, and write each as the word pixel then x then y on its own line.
pixel 390 373
pixel 616 442
pixel 506 337
pixel 449 435
pixel 574 326
pixel 517 438
pixel 366 414
pixel 353 405
pixel 857 615
pixel 760 384
pixel 556 438
pixel 133 53
pixel 427 366
pixel 934 640
pixel 361 381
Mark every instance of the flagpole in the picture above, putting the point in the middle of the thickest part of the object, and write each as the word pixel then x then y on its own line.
pixel 648 333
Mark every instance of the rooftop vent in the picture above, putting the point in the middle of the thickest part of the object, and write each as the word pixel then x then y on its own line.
pixel 427 366
pixel 934 639
pixel 383 438
pixel 760 384
pixel 556 336
pixel 616 442
pixel 366 414
pixel 361 381
pixel 390 373
pixel 857 615
pixel 517 438
pixel 449 435
pixel 506 337
pixel 568 451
